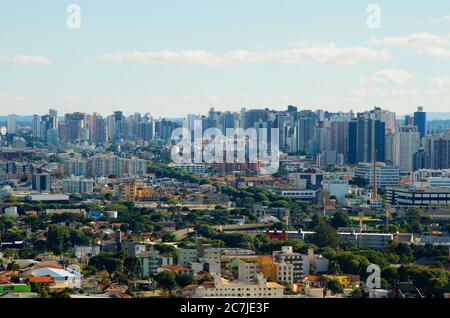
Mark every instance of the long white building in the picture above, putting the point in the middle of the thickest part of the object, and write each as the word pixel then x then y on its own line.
pixel 222 288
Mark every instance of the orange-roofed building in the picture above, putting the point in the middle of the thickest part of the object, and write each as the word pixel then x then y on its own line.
pixel 4 280
pixel 47 266
pixel 176 269
pixel 41 279
pixel 313 280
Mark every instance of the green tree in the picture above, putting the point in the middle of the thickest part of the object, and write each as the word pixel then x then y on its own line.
pixel 132 266
pixel 340 219
pixel 280 204
pixel 57 238
pixel 166 279
pixel 325 236
pixel 109 262
pixel 414 217
pixel 168 237
pixel 334 268
pixel 206 278
pixel 27 252
pixel 184 280
pixel 334 286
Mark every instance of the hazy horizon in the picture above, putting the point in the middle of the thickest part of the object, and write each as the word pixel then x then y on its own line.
pixel 430 115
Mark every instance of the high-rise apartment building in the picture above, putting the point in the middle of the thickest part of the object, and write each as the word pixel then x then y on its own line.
pixel 437 148
pixel 407 144
pixel 11 124
pixel 97 128
pixel 366 140
pixel 420 121
pixel 78 185
pixel 36 126
pixel 41 182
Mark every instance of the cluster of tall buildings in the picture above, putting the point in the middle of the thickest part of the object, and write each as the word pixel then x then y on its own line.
pixel 331 138
pixel 93 128
pixel 105 166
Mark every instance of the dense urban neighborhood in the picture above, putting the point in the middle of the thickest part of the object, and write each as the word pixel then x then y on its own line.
pixel 96 207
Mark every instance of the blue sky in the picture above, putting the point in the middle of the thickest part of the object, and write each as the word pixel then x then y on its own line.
pixel 170 58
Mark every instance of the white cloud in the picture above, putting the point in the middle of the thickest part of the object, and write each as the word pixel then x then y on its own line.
pixel 320 53
pixel 433 51
pixel 3 94
pixel 432 45
pixel 416 40
pixel 25 59
pixel 441 81
pixel 395 76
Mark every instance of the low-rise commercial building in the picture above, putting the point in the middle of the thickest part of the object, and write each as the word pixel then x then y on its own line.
pixel 367 240
pixel 418 196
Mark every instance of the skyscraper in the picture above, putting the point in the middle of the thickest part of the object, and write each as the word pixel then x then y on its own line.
pixel 145 131
pixel 352 157
pixel 338 135
pixel 390 147
pixel 408 143
pixel 11 124
pixel 437 148
pixel 366 140
pixel 306 124
pixel 284 123
pixel 36 126
pixel 97 129
pixel 380 141
pixel 420 120
pixel 118 125
pixel 53 113
pixel 74 127
pixel 409 120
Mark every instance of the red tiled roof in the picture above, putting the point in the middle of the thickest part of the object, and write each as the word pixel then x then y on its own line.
pixel 266 178
pixel 53 266
pixel 202 273
pixel 4 280
pixel 176 268
pixel 312 278
pixel 208 284
pixel 41 279
pixel 7 274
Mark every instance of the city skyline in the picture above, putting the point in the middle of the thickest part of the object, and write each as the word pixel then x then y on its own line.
pixel 260 54
pixel 225 157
